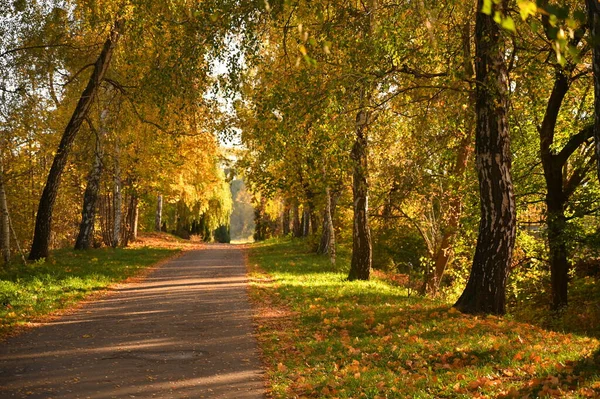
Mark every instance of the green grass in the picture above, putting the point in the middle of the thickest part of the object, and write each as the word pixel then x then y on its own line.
pixel 28 292
pixel 324 337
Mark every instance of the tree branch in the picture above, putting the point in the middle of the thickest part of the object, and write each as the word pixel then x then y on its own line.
pixel 574 143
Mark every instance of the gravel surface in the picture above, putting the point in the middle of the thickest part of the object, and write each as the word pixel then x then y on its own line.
pixel 185 331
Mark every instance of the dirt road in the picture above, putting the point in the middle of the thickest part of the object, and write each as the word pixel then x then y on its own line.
pixel 185 331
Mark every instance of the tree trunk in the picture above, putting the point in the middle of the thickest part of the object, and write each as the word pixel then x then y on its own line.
pixel 158 215
pixel 117 199
pixel 136 218
pixel 4 219
pixel 327 244
pixel 444 252
pixel 285 218
pixel 296 226
pixel 360 266
pixel 41 238
pixel 106 213
pixel 305 220
pixel 90 198
pixel 594 25
pixel 559 264
pixel 486 289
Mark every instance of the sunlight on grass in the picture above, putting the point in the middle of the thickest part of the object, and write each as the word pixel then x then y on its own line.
pixel 324 337
pixel 37 289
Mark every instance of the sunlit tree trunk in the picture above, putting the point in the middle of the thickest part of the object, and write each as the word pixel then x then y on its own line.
pixel 41 238
pixel 90 197
pixel 117 198
pixel 136 218
pixel 360 266
pixel 4 219
pixel 158 214
pixel 486 288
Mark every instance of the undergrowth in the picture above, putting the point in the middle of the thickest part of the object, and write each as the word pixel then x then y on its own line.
pixel 324 337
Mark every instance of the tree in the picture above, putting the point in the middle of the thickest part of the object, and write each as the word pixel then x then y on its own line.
pixel 485 290
pixel 593 9
pixel 41 238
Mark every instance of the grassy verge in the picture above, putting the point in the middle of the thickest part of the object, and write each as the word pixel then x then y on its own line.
pixel 38 289
pixel 323 337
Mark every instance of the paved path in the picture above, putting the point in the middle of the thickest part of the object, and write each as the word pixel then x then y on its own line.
pixel 184 332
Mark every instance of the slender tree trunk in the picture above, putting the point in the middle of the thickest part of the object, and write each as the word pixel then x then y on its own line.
pixel 445 249
pixel 305 220
pixel 360 266
pixel 158 214
pixel 41 238
pixel 594 25
pixel 136 218
pixel 555 195
pixel 106 213
pixel 285 219
pixel 296 226
pixel 90 198
pixel 327 244
pixel 4 219
pixel 117 199
pixel 444 252
pixel 486 289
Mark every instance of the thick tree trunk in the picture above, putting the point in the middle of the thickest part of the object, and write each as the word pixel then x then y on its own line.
pixel 559 262
pixel 117 199
pixel 360 266
pixel 486 289
pixel 594 25
pixel 4 219
pixel 158 214
pixel 90 200
pixel 41 238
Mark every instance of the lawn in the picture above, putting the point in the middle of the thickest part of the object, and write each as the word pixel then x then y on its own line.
pixel 324 337
pixel 30 292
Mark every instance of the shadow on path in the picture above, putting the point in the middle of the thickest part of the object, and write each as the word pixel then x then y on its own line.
pixel 184 332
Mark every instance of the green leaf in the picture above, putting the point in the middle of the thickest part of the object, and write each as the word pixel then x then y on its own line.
pixel 508 24
pixel 487 7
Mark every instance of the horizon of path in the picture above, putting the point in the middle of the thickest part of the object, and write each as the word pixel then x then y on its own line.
pixel 184 331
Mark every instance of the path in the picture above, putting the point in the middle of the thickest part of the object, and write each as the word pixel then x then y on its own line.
pixel 184 332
